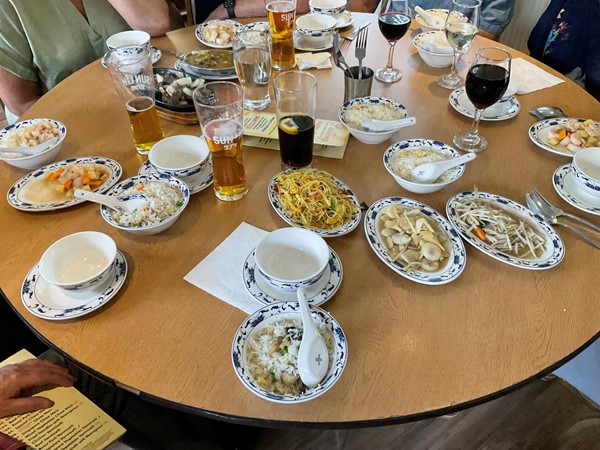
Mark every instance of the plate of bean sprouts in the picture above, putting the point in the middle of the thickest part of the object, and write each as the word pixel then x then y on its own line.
pixel 505 230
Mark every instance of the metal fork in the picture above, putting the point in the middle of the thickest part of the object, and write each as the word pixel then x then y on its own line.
pixel 360 50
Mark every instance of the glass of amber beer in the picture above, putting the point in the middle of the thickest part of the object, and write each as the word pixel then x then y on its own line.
pixel 220 109
pixel 131 69
pixel 281 15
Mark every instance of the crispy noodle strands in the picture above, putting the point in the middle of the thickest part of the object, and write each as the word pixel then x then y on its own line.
pixel 311 198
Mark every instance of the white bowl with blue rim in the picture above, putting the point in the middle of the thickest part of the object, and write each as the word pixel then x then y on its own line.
pixel 79 261
pixel 430 48
pixel 316 25
pixel 586 170
pixel 40 159
pixel 328 7
pixel 282 311
pixel 290 258
pixel 411 145
pixel 180 156
pixel 370 137
pixel 123 191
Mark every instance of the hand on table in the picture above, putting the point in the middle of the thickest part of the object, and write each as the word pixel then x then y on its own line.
pixel 18 383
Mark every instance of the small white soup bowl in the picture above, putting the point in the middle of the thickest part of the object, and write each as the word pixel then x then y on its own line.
pixel 316 25
pixel 125 38
pixel 79 261
pixel 329 7
pixel 289 258
pixel 433 50
pixel 586 170
pixel 180 156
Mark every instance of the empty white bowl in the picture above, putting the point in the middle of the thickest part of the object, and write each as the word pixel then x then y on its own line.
pixel 329 7
pixel 316 25
pixel 289 258
pixel 586 170
pixel 415 144
pixel 432 50
pixel 40 159
pixel 126 38
pixel 370 137
pixel 180 156
pixel 79 261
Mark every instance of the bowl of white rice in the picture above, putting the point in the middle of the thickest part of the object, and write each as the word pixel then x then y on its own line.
pixel 402 157
pixel 354 111
pixel 265 352
pixel 434 48
pixel 30 133
pixel 167 198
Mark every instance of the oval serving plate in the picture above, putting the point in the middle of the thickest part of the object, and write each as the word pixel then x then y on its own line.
pixel 200 29
pixel 456 261
pixel 17 193
pixel 340 231
pixel 538 133
pixel 256 26
pixel 208 76
pixel 555 250
pixel 507 109
pixel 281 311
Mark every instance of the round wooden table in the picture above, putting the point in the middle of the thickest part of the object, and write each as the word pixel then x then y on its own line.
pixel 414 350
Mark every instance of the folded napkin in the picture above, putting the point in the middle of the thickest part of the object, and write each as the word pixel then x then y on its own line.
pixel 530 77
pixel 313 61
pixel 220 273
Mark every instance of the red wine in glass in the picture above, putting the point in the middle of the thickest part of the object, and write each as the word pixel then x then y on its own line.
pixel 486 84
pixel 393 25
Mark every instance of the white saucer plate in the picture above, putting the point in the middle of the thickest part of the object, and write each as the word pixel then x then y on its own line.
pixel 456 261
pixel 538 133
pixel 195 183
pixel 502 110
pixel 326 233
pixel 565 185
pixel 555 250
pixel 344 19
pixel 307 44
pixel 179 66
pixel 200 28
pixel 156 54
pixel 317 294
pixel 17 193
pixel 50 302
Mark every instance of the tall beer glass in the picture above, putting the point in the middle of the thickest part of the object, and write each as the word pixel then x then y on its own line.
pixel 253 67
pixel 281 15
pixel 220 109
pixel 131 69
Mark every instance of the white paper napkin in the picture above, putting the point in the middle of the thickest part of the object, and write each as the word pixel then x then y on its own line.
pixel 530 77
pixel 213 273
pixel 313 61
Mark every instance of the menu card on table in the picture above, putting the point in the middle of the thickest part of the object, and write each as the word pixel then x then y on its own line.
pixel 74 422
pixel 260 130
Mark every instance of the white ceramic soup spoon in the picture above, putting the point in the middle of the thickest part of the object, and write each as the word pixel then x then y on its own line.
pixel 313 357
pixel 432 20
pixel 130 204
pixel 429 172
pixel 21 152
pixel 387 125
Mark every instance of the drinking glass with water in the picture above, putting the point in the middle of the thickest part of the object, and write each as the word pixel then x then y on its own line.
pixel 252 58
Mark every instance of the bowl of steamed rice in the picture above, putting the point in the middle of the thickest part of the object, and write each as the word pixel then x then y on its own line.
pixel 167 198
pixel 354 111
pixel 265 352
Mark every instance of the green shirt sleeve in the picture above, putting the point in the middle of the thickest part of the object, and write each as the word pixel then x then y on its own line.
pixel 15 53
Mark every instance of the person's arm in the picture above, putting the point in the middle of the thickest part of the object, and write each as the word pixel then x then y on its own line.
pixel 362 5
pixel 252 8
pixel 151 16
pixel 488 35
pixel 16 93
pixel 31 375
pixel 495 17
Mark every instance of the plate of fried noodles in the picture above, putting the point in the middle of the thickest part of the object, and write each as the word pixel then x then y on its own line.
pixel 315 200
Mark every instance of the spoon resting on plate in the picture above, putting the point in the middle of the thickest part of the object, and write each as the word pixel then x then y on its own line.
pixel 21 152
pixel 313 357
pixel 387 125
pixel 429 172
pixel 547 112
pixel 431 19
pixel 128 204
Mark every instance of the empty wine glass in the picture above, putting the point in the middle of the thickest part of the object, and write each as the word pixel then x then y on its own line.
pixel 485 84
pixel 461 26
pixel 394 21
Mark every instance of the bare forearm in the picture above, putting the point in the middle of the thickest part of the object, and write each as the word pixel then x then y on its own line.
pixel 151 16
pixel 17 94
pixel 488 35
pixel 252 8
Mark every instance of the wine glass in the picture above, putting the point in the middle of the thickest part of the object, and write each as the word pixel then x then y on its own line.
pixel 461 26
pixel 485 84
pixel 394 21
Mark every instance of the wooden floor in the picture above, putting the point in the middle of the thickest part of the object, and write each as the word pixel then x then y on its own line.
pixel 542 415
